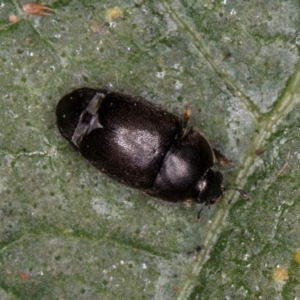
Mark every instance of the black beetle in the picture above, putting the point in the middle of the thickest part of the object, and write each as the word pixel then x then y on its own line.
pixel 142 145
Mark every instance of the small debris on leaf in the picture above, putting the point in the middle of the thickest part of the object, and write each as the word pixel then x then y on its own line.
pixel 113 14
pixel 95 27
pixel 32 8
pixel 259 152
pixel 284 166
pixel 13 18
pixel 297 256
pixel 280 274
pixel 23 275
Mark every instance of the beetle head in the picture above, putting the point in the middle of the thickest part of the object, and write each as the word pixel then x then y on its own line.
pixel 210 189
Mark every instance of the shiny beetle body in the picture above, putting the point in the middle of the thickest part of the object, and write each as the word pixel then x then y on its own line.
pixel 141 145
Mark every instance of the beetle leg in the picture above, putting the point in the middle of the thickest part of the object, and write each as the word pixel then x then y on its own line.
pixel 243 194
pixel 185 120
pixel 186 117
pixel 221 159
pixel 188 203
pixel 201 209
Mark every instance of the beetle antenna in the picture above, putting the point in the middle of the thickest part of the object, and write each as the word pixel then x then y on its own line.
pixel 243 194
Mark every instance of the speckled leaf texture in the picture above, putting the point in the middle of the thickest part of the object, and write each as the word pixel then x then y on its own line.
pixel 69 232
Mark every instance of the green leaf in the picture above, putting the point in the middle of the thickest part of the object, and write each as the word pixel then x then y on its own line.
pixel 69 232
